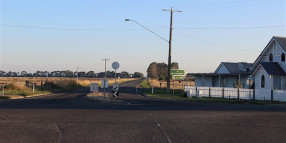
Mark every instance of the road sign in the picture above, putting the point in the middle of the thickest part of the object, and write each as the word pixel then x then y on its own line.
pixel 94 87
pixel 178 74
pixel 115 90
pixel 104 83
pixel 115 65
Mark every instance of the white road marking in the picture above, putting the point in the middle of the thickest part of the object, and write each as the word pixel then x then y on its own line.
pixel 159 126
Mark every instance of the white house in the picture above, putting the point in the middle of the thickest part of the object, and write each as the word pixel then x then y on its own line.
pixel 267 72
pixel 269 68
pixel 226 75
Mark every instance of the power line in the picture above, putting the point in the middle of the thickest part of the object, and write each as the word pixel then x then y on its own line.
pixel 232 28
pixel 218 45
pixel 192 28
pixel 66 29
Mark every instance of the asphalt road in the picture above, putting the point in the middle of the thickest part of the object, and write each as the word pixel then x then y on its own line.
pixel 70 117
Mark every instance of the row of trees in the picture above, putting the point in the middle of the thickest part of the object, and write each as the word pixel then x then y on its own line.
pixel 160 70
pixel 68 73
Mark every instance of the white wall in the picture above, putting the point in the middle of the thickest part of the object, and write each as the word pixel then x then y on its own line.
pixel 258 75
pixel 200 81
pixel 222 70
pixel 283 82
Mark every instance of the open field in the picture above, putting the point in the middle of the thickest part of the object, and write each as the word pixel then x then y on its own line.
pixel 17 85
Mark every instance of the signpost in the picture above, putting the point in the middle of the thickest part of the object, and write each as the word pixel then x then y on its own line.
pixel 177 75
pixel 3 88
pixel 104 83
pixel 94 87
pixel 115 66
pixel 115 89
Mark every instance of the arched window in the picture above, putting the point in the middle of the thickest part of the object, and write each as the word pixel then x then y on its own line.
pixel 262 81
pixel 270 57
pixel 283 57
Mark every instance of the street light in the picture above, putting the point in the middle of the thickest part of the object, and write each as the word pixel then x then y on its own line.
pixel 169 41
pixel 146 29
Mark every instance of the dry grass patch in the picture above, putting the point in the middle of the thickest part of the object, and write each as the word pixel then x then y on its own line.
pixel 156 83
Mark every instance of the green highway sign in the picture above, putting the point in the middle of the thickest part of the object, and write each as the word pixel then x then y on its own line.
pixel 178 74
pixel 179 77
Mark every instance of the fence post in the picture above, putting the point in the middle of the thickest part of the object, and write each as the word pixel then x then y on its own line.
pixel 209 92
pixel 271 95
pixel 238 93
pixel 3 93
pixel 222 92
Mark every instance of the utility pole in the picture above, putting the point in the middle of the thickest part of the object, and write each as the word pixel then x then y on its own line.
pixel 170 48
pixel 105 75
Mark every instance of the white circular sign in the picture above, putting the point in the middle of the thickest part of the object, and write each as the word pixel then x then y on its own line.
pixel 115 65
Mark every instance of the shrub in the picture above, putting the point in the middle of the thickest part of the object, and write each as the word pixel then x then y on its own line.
pixel 11 86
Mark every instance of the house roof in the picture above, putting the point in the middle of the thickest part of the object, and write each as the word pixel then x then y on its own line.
pixel 237 68
pixel 280 40
pixel 273 68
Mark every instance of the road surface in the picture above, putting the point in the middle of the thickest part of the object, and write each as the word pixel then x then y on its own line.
pixel 72 118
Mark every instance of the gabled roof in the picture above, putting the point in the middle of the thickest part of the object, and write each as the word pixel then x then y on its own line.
pixel 280 40
pixel 234 68
pixel 272 68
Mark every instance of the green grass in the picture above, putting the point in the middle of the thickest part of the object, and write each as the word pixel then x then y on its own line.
pixel 25 92
pixel 145 84
pixel 178 95
pixel 4 97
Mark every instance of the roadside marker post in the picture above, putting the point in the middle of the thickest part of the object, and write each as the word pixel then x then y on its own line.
pixel 115 89
pixel 3 92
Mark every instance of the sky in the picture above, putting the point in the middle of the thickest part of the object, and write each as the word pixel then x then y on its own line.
pixel 49 35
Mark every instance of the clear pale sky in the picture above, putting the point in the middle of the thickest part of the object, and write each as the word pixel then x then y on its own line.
pixel 66 34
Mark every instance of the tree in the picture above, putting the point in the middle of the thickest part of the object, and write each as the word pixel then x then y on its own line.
pixel 2 73
pixel 138 75
pixel 160 70
pixel 23 73
pixel 124 74
pixel 90 74
pixel 174 65
pixel 152 71
pixel 68 73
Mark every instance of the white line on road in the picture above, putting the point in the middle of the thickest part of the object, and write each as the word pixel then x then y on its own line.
pixel 159 126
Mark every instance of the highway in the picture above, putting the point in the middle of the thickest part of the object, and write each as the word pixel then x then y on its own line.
pixel 72 118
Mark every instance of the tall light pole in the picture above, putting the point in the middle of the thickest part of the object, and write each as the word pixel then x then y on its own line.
pixel 170 43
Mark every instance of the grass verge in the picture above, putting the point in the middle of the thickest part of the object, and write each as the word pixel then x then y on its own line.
pixel 179 95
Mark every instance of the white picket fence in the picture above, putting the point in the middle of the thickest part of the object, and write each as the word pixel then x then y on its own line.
pixel 247 94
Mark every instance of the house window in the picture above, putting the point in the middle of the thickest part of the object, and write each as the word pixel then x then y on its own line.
pixel 262 81
pixel 270 57
pixel 283 57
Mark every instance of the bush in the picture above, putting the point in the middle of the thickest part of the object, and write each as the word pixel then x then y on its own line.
pixel 12 87
pixel 162 78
